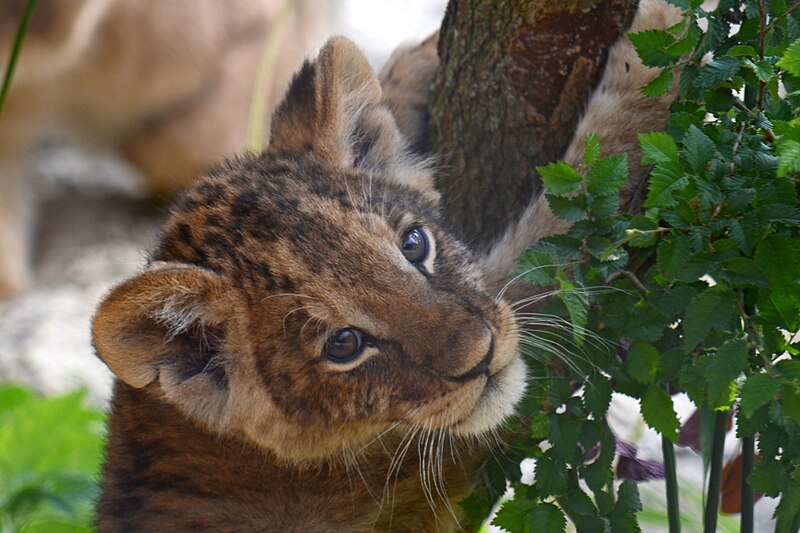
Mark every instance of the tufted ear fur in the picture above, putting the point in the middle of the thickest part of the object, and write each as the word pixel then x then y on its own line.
pixel 166 328
pixel 334 110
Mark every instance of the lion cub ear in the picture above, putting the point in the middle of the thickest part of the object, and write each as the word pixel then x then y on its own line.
pixel 167 327
pixel 334 110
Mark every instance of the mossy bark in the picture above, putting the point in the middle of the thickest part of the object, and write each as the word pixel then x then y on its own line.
pixel 513 79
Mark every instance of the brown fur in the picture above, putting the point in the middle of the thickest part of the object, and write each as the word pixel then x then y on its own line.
pixel 169 84
pixel 227 415
pixel 259 264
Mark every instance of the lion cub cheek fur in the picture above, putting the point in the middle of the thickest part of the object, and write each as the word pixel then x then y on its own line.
pixel 261 262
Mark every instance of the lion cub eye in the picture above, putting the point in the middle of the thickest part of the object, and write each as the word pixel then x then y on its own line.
pixel 345 346
pixel 415 246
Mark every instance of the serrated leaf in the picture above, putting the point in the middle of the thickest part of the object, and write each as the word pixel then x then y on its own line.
pixel 666 179
pixel 547 518
pixel 762 69
pixel 540 426
pixel 672 254
pixel 725 365
pixel 698 149
pixel 659 413
pixel 658 147
pixel 550 475
pixel 597 396
pixel 788 157
pixel 783 213
pixel 628 498
pixel 717 71
pixel 591 149
pixel 651 46
pixel 566 208
pixel 758 390
pixel 713 308
pixel 607 176
pixel 744 271
pixel 559 177
pixel 643 362
pixel 538 265
pixel 514 515
pixel 790 61
pixel 766 478
pixel 741 50
pixel 659 85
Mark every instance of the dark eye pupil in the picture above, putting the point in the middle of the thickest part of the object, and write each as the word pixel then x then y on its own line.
pixel 415 246
pixel 345 345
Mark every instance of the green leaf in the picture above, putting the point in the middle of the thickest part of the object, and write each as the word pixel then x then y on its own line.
pixel 550 475
pixel 666 179
pixel 643 362
pixel 567 208
pixel 547 518
pixel 658 147
pixel 717 71
pixel 766 478
pixel 788 157
pixel 559 177
pixel 758 390
pixel 591 150
pixel 790 61
pixel 659 85
pixel 513 516
pixel 540 426
pixel 651 46
pixel 672 254
pixel 698 149
pixel 744 271
pixel 628 498
pixel 713 308
pixel 577 303
pixel 607 176
pixel 762 69
pixel 725 365
pixel 783 213
pixel 597 396
pixel 741 50
pixel 659 413
pixel 538 265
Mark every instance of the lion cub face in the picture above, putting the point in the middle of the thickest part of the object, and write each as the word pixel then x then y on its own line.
pixel 310 299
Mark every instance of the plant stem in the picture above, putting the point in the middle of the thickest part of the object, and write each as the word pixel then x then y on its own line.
pixel 715 475
pixel 779 19
pixel 12 59
pixel 670 471
pixel 762 20
pixel 748 458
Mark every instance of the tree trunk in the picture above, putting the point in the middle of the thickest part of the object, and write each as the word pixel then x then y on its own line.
pixel 513 80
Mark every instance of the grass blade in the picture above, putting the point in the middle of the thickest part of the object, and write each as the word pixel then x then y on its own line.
pixel 12 60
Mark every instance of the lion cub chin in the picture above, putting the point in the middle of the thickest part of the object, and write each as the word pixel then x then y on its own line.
pixel 169 84
pixel 309 348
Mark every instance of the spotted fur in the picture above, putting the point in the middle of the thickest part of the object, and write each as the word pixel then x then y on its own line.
pixel 227 414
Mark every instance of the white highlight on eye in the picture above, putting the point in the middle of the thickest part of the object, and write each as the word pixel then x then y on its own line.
pixel 429 261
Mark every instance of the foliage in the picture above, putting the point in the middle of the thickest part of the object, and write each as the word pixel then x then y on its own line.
pixel 50 455
pixel 698 293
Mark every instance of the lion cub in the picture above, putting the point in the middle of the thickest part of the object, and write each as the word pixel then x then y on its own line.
pixel 309 348
pixel 167 83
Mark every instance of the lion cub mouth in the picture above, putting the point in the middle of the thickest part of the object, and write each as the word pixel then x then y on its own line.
pixel 501 393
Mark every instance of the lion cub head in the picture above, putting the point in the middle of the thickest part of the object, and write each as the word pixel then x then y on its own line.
pixel 310 298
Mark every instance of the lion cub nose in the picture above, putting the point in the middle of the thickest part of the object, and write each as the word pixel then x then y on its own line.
pixel 480 355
